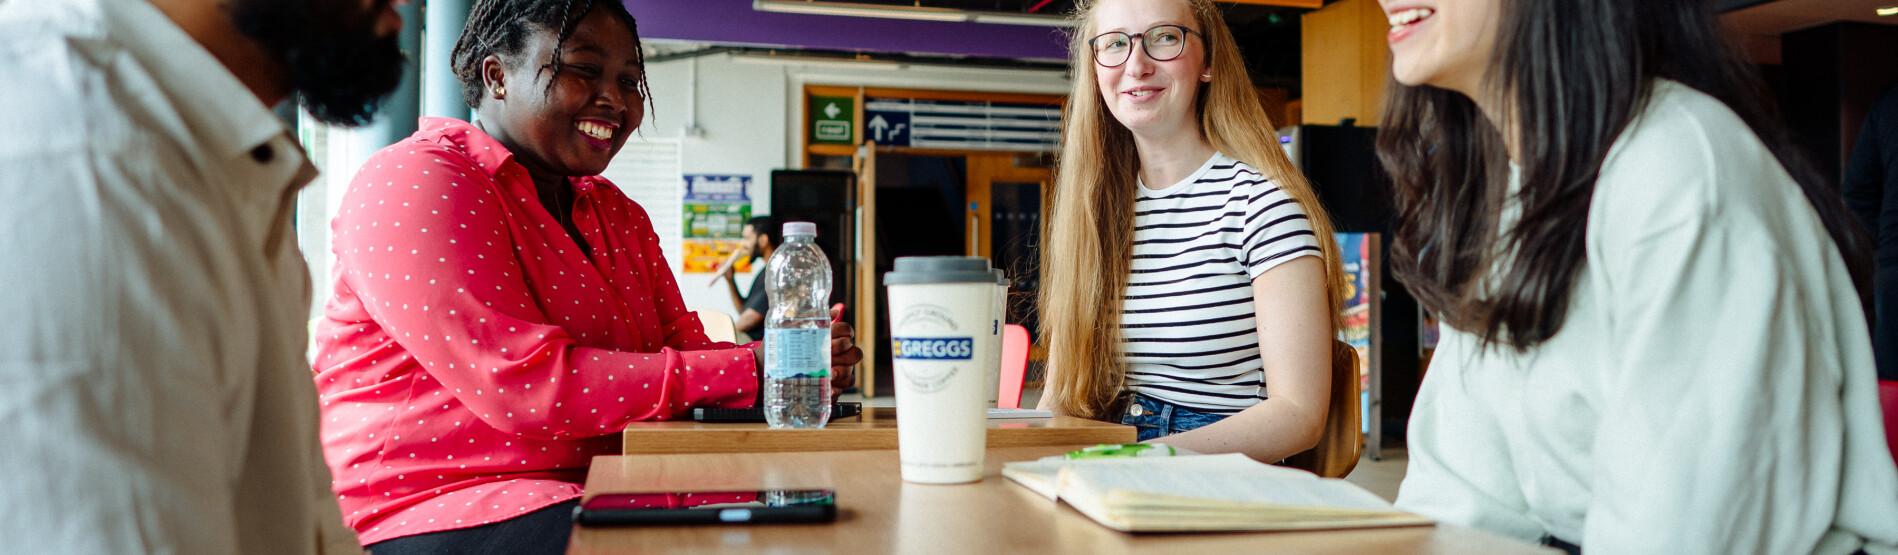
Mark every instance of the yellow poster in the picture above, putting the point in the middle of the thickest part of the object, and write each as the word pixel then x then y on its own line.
pixel 703 255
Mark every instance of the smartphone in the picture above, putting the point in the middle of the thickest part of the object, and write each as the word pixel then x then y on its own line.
pixel 756 414
pixel 708 507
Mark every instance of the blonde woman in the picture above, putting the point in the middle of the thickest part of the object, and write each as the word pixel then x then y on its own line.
pixel 1190 276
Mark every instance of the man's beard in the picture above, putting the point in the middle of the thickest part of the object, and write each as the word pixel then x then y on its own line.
pixel 333 59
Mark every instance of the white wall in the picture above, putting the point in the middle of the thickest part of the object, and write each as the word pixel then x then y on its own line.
pixel 338 154
pixel 750 110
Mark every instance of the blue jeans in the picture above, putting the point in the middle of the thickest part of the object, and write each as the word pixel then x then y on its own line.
pixel 1154 418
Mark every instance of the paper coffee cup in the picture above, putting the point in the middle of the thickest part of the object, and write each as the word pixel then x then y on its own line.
pixel 943 331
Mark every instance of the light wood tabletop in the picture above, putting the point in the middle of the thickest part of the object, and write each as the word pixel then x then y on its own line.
pixel 879 513
pixel 875 429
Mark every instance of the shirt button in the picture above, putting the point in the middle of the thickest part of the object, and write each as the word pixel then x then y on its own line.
pixel 262 153
pixel 1136 410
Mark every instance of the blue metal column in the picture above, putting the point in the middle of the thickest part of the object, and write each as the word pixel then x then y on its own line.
pixel 396 119
pixel 441 90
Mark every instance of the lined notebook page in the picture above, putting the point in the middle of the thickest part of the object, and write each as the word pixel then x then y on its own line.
pixel 1229 480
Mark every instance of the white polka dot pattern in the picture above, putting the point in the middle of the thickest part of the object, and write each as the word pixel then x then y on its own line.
pixel 472 360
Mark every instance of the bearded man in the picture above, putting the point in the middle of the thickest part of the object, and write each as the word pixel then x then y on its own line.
pixel 154 395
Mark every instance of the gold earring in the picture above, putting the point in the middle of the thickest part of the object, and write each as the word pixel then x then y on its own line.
pixel 500 91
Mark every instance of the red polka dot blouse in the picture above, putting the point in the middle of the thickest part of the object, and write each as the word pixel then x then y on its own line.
pixel 473 359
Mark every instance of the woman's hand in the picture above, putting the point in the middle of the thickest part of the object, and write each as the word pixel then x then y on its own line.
pixel 844 354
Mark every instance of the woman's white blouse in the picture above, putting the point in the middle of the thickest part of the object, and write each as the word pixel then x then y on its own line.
pixel 1711 390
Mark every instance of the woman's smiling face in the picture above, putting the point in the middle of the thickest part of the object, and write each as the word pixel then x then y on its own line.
pixel 574 126
pixel 1151 97
pixel 1442 43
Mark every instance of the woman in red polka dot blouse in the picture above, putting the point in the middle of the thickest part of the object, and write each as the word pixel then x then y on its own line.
pixel 501 311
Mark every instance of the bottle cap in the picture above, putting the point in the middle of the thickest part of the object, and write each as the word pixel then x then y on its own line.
pixel 800 229
pixel 939 269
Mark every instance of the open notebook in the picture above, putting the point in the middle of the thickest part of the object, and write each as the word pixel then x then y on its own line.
pixel 1206 492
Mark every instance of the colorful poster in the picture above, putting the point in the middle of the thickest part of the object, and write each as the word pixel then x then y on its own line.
pixel 1358 254
pixel 1356 329
pixel 715 210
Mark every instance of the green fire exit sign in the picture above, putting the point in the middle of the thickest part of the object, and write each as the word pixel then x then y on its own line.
pixel 833 120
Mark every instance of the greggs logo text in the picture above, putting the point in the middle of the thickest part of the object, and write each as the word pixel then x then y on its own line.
pixel 933 348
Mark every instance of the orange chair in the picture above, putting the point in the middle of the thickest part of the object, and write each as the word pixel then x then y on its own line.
pixel 718 325
pixel 1888 396
pixel 1014 365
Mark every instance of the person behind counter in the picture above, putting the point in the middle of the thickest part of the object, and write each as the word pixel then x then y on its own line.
pixel 501 311
pixel 1191 280
pixel 1654 341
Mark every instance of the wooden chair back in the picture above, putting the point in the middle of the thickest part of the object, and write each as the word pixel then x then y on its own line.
pixel 1338 449
pixel 718 325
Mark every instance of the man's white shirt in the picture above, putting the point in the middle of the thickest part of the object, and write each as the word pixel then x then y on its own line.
pixel 154 396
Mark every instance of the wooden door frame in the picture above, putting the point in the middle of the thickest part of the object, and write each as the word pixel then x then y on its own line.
pixel 866 268
pixel 984 168
pixel 864 163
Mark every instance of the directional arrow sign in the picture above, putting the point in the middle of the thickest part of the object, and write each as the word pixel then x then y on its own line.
pixel 888 128
pixel 831 110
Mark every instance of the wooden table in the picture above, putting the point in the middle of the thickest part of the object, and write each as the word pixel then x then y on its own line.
pixel 875 429
pixel 879 513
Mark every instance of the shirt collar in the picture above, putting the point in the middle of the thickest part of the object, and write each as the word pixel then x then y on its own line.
pixel 468 138
pixel 219 112
pixel 489 153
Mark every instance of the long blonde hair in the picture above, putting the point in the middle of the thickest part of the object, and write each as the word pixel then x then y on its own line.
pixel 1089 250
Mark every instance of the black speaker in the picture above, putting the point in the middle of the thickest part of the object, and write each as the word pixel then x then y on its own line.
pixel 827 198
pixel 1341 163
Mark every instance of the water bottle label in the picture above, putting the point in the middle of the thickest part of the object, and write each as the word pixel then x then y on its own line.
pixel 796 353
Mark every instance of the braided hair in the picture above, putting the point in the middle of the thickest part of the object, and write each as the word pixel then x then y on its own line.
pixel 500 28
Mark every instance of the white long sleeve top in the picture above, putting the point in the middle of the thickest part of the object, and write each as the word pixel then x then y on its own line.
pixel 154 396
pixel 1711 390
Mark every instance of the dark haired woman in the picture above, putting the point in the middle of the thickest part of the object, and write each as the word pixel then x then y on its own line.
pixel 500 310
pixel 1656 344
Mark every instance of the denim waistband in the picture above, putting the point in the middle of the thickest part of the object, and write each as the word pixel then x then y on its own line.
pixel 1156 418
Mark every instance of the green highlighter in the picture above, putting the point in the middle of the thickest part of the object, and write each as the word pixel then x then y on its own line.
pixel 1119 450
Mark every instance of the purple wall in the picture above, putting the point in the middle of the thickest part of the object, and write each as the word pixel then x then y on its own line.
pixel 733 22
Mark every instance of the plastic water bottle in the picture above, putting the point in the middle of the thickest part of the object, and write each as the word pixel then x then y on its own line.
pixel 797 332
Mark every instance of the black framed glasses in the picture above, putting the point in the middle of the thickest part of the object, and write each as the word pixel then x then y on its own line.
pixel 1162 43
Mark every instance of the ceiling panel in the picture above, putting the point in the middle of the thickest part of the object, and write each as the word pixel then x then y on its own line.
pixel 1757 25
pixel 1777 18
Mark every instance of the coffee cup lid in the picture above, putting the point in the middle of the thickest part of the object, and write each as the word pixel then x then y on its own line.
pixel 939 269
pixel 1000 279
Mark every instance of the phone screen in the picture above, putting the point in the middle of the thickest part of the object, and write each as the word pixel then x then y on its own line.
pixel 708 507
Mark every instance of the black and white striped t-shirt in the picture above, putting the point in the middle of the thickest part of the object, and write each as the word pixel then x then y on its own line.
pixel 1191 336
